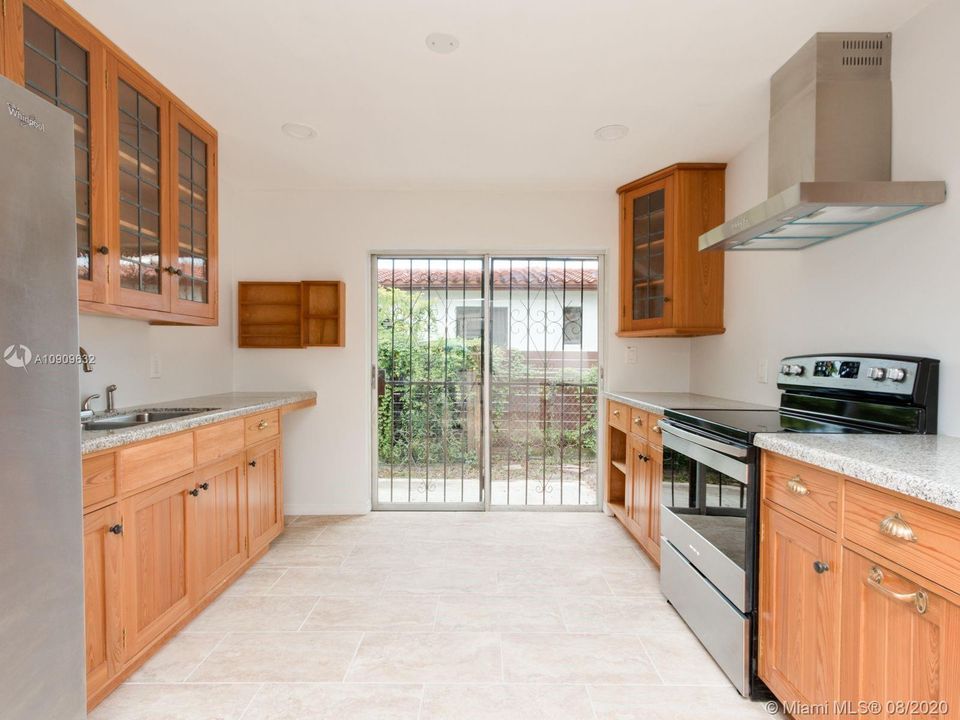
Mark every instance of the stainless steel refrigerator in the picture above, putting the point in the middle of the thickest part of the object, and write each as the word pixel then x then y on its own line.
pixel 42 657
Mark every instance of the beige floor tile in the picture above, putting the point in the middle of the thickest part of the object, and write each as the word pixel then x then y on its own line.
pixel 646 613
pixel 253 612
pixel 255 581
pixel 681 659
pixel 435 581
pixel 506 702
pixel 674 703
pixel 354 533
pixel 575 658
pixel 427 657
pixel 552 581
pixel 328 581
pixel 408 613
pixel 288 555
pixel 335 702
pixel 628 582
pixel 525 613
pixel 178 658
pixel 175 702
pixel 279 657
pixel 298 535
pixel 321 520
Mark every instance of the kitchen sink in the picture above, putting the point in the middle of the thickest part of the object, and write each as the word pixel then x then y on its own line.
pixel 141 417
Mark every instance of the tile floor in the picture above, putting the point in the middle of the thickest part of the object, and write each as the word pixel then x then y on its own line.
pixel 430 616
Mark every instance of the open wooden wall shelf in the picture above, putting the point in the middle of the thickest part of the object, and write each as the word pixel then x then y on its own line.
pixel 309 313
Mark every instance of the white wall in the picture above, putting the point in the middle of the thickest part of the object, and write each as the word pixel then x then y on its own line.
pixel 294 235
pixel 891 289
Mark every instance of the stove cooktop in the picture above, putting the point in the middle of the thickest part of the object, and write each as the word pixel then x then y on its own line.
pixel 742 425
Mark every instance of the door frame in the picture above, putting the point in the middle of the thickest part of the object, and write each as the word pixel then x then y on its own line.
pixel 598 254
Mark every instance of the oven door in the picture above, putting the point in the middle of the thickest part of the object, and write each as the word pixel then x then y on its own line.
pixel 708 498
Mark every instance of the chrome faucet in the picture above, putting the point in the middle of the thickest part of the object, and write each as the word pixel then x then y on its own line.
pixel 111 389
pixel 85 411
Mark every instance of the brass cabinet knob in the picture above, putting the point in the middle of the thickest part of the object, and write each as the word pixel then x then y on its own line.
pixel 896 527
pixel 262 425
pixel 796 487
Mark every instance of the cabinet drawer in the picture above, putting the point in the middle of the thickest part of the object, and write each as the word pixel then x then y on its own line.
pixel 808 491
pixel 261 426
pixel 99 479
pixel 639 422
pixel 147 463
pixel 654 433
pixel 618 415
pixel 919 538
pixel 219 441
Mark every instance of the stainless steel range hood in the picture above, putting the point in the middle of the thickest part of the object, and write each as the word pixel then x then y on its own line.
pixel 830 138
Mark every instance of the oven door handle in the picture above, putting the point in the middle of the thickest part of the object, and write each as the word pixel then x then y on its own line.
pixel 731 450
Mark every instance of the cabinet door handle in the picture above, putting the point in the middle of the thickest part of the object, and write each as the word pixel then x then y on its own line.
pixel 116 529
pixel 636 421
pixel 252 463
pixel 820 567
pixel 194 492
pixel 796 487
pixel 918 599
pixel 616 413
pixel 656 429
pixel 173 271
pixel 262 424
pixel 103 250
pixel 896 527
pixel 204 486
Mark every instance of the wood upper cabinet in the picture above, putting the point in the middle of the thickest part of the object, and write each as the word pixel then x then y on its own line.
pixel 63 63
pixel 899 642
pixel 157 532
pixel 146 170
pixel 667 286
pixel 799 601
pixel 264 494
pixel 102 557
pixel 221 522
pixel 193 255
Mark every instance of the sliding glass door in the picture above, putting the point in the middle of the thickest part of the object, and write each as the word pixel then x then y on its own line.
pixel 486 382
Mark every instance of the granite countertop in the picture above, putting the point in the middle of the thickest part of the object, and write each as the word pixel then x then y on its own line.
pixel 216 408
pixel 926 467
pixel 657 402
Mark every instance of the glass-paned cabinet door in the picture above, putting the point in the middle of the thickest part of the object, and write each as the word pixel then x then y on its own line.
pixel 60 62
pixel 194 279
pixel 646 219
pixel 139 121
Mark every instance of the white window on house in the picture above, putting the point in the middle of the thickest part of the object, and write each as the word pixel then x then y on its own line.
pixel 470 323
pixel 573 325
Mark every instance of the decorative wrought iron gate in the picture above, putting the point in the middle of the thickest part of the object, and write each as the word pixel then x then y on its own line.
pixel 526 330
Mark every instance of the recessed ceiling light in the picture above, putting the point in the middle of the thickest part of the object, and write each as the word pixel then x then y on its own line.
pixel 442 43
pixel 611 132
pixel 298 131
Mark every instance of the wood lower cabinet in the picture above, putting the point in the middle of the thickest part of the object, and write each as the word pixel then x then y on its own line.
pixel 102 570
pixel 220 540
pixel 157 529
pixel 264 494
pixel 799 597
pixel 900 643
pixel 635 473
pixel 876 631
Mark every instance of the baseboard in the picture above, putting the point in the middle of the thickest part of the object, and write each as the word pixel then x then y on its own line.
pixel 326 509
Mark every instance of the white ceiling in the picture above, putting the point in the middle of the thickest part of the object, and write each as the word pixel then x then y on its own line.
pixel 516 105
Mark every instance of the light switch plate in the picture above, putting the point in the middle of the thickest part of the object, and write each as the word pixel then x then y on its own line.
pixel 631 357
pixel 155 368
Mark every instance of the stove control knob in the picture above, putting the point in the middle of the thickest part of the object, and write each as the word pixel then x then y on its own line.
pixel 784 369
pixel 795 370
pixel 876 373
pixel 897 374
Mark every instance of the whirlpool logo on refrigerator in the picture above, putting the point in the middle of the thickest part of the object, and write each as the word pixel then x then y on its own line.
pixel 30 121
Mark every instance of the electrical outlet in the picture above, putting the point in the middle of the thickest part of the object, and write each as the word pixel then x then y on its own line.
pixel 155 368
pixel 762 374
pixel 631 355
